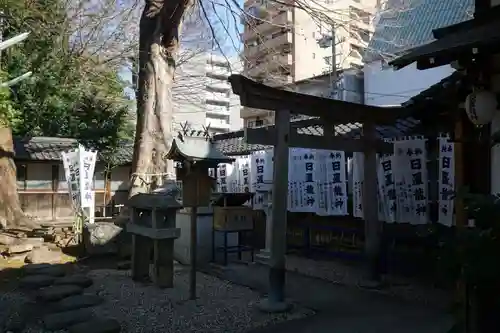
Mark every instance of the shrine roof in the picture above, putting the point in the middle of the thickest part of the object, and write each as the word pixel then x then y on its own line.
pixel 196 149
pixel 50 149
pixel 159 201
pixel 403 25
pixel 453 42
pixel 234 143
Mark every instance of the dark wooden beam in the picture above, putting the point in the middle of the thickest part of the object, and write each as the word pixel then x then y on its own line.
pixel 266 136
pixel 260 96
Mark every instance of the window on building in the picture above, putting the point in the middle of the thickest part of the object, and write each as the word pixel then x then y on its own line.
pixel 357 51
pixel 359 15
pixel 314 55
pixel 360 34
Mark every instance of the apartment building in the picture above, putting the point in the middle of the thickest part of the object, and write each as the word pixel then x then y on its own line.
pixel 284 44
pixel 202 94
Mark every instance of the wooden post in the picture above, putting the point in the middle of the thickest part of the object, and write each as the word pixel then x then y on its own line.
pixel 276 301
pixel 373 227
pixel 194 242
pixel 462 298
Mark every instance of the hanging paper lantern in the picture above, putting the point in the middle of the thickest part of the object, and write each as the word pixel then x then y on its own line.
pixel 481 106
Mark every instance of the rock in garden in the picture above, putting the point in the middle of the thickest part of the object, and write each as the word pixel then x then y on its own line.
pixel 101 237
pixel 19 248
pixel 34 241
pixel 37 281
pixel 7 239
pixel 78 302
pixel 57 321
pixel 97 326
pixel 55 270
pixel 43 255
pixel 77 280
pixel 21 257
pixel 57 293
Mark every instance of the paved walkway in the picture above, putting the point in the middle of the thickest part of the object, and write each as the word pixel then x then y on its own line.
pixel 341 309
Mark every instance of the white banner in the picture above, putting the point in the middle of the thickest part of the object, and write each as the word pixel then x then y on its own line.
pixel 71 164
pixel 336 183
pixel 357 180
pixel 224 172
pixel 87 167
pixel 387 189
pixel 307 182
pixel 410 176
pixel 79 166
pixel 446 181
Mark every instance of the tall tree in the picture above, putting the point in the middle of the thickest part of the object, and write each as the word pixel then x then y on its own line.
pixel 73 93
pixel 159 36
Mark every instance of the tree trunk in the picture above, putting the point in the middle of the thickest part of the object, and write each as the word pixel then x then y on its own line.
pixel 11 214
pixel 158 46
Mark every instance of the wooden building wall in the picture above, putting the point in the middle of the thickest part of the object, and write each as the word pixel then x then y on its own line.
pixel 43 190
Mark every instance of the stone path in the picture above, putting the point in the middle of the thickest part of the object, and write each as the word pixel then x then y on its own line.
pixel 65 303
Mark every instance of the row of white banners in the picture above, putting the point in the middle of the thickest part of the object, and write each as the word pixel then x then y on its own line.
pixel 79 166
pixel 318 181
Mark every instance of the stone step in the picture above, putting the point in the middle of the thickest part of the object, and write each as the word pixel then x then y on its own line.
pixel 36 281
pixel 77 302
pixel 97 326
pixel 57 293
pixel 62 320
pixel 77 280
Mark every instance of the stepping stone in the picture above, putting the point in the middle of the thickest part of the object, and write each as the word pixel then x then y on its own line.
pixel 97 326
pixel 37 281
pixel 51 270
pixel 77 302
pixel 60 320
pixel 33 268
pixel 77 280
pixel 57 293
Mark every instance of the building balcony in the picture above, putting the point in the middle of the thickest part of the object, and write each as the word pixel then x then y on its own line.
pixel 219 73
pixel 219 86
pixel 217 111
pixel 270 45
pixel 277 80
pixel 270 65
pixel 217 98
pixel 275 23
pixel 247 112
pixel 218 125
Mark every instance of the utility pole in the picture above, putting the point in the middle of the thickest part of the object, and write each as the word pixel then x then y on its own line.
pixel 330 41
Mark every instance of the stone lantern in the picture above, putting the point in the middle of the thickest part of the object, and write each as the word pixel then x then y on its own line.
pixel 153 230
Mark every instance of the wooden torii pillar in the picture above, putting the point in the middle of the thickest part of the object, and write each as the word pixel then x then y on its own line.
pixel 282 137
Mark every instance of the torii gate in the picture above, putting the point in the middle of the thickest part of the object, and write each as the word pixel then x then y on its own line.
pixel 328 113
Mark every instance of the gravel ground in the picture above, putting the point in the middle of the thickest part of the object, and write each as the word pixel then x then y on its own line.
pixel 221 306
pixel 142 308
